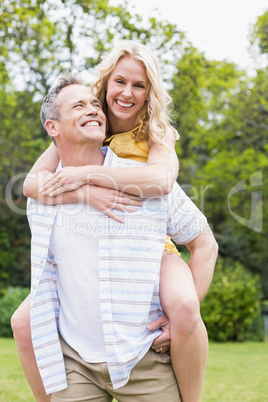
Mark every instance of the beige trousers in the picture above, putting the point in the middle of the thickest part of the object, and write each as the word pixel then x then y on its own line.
pixel 152 379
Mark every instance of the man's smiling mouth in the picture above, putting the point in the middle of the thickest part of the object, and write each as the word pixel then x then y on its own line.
pixel 91 124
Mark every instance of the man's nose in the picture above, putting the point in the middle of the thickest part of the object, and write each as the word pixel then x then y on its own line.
pixel 90 109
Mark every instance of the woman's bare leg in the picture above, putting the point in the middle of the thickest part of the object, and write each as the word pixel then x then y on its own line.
pixel 189 340
pixel 20 323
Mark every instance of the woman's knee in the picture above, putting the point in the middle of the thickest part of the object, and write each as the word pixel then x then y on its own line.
pixel 20 322
pixel 17 321
pixel 186 315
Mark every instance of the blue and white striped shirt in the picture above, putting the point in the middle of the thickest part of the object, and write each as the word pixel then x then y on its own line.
pixel 129 265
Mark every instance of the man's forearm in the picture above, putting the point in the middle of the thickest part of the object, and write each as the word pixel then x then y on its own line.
pixel 202 267
pixel 204 252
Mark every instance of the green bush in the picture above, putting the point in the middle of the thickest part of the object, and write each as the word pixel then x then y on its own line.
pixel 232 308
pixel 15 266
pixel 8 304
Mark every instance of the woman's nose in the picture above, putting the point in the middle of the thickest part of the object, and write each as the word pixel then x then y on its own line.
pixel 127 91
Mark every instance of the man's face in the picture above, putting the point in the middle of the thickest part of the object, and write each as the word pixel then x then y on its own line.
pixel 81 116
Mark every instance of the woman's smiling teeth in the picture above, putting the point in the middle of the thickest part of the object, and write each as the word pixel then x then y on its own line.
pixel 123 104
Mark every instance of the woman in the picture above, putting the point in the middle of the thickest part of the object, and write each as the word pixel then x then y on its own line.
pixel 132 95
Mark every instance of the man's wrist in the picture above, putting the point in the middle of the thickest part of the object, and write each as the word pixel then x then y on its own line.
pixel 81 194
pixel 86 174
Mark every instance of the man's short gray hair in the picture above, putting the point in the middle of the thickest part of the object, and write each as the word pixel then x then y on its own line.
pixel 50 106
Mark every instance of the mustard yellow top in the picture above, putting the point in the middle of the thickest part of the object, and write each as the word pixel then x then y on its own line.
pixel 124 145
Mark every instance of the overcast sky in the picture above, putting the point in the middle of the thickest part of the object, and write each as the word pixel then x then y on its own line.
pixel 219 28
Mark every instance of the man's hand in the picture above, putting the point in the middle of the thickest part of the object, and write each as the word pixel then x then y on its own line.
pixel 162 342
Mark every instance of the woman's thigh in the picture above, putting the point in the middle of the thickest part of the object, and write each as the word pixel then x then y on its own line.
pixel 176 283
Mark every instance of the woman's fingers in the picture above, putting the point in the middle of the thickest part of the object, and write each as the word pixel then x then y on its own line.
pixel 53 191
pixel 56 187
pixel 50 182
pixel 48 188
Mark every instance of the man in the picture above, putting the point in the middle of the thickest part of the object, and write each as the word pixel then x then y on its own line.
pixel 103 304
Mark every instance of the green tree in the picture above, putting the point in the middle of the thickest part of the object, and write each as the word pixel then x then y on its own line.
pixel 14 248
pixel 222 117
pixel 22 137
pixel 39 40
pixel 259 33
pixel 201 91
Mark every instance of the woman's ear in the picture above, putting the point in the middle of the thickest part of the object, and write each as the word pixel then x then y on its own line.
pixel 51 127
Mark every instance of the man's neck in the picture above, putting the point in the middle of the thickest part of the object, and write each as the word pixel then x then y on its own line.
pixel 81 156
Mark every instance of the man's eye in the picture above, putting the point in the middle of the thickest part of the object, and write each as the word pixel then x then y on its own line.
pixel 97 105
pixel 78 105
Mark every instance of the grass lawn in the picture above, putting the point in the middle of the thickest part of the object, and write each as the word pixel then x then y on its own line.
pixel 235 372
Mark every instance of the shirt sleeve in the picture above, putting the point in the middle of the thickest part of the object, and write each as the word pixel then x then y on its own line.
pixel 29 211
pixel 185 221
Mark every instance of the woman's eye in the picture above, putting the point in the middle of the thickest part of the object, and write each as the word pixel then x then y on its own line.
pixel 120 82
pixel 140 86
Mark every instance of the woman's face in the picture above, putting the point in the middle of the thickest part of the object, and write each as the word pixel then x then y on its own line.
pixel 127 90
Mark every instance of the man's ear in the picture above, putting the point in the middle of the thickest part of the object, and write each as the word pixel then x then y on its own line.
pixel 52 128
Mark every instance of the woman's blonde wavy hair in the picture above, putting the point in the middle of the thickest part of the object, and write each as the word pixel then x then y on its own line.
pixel 155 113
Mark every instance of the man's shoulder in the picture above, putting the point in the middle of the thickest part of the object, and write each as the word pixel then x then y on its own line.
pixel 176 193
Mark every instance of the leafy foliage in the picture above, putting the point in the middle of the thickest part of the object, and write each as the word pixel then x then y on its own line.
pixel 222 117
pixel 46 37
pixel 41 39
pixel 22 137
pixel 259 33
pixel 14 248
pixel 232 304
pixel 8 304
pixel 220 112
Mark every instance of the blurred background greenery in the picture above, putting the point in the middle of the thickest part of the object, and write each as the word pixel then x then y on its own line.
pixel 220 111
